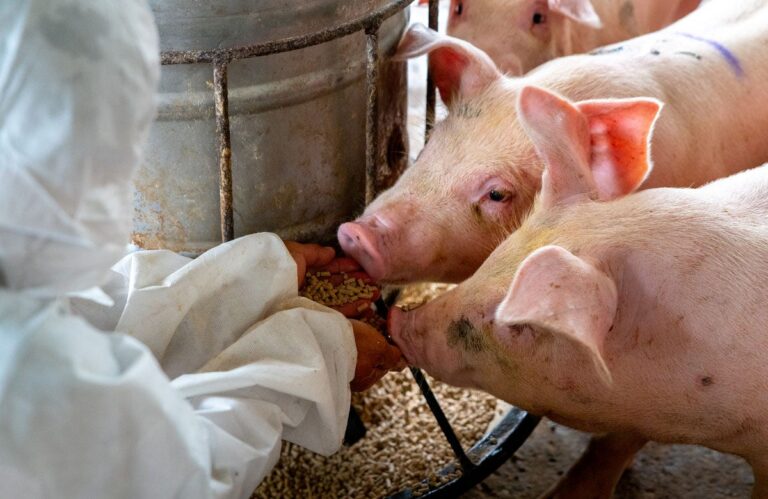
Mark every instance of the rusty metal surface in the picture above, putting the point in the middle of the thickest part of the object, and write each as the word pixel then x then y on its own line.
pixel 372 111
pixel 298 125
pixel 430 114
pixel 221 100
pixel 368 22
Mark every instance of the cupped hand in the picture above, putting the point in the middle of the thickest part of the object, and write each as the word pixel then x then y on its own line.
pixel 344 268
pixel 309 256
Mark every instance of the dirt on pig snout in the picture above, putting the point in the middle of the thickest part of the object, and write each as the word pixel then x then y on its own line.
pixel 403 444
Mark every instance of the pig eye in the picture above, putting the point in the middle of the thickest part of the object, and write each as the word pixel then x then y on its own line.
pixel 459 8
pixel 497 196
pixel 539 18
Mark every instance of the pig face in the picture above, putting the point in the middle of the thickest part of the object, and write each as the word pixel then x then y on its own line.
pixel 517 34
pixel 477 177
pixel 469 188
pixel 534 311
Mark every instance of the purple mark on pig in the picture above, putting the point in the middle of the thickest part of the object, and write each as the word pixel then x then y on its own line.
pixel 727 54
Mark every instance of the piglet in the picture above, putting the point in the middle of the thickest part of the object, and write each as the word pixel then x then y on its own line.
pixel 476 178
pixel 641 316
pixel 522 34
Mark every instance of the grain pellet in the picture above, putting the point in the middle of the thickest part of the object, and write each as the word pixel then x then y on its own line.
pixel 323 291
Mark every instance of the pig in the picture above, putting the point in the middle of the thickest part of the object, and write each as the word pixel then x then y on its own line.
pixel 642 315
pixel 522 34
pixel 476 178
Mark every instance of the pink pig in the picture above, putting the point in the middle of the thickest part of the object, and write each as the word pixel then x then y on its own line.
pixel 643 317
pixel 476 179
pixel 522 34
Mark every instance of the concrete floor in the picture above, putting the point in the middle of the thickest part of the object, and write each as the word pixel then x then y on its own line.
pixel 659 471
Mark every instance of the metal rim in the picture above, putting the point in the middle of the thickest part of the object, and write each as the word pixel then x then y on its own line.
pixel 486 456
pixel 508 435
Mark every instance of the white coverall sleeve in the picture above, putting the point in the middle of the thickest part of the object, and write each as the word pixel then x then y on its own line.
pixel 88 414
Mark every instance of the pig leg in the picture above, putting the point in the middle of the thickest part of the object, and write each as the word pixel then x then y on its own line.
pixel 760 490
pixel 598 470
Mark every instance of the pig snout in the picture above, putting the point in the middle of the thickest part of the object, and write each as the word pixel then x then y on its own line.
pixel 361 242
pixel 398 243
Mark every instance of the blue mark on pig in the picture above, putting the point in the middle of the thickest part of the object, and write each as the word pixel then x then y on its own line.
pixel 731 59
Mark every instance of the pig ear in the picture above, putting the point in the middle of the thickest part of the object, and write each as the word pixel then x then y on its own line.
pixel 580 11
pixel 458 67
pixel 594 149
pixel 620 134
pixel 561 293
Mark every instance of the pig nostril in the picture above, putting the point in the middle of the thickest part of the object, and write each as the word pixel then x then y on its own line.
pixel 351 240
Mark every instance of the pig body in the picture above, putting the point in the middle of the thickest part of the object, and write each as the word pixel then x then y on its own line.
pixel 522 34
pixel 642 316
pixel 477 177
pixel 690 336
pixel 689 340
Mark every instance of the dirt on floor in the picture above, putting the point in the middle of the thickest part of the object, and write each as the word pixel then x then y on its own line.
pixel 659 471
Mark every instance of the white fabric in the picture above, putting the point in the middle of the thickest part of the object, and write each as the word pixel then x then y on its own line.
pixel 87 414
pixel 84 413
pixel 77 89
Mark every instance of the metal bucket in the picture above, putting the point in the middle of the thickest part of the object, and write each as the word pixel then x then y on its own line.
pixel 297 122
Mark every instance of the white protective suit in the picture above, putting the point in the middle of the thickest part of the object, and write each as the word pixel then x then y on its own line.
pixel 89 414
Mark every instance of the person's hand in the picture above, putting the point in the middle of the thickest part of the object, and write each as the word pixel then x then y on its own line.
pixel 309 256
pixel 375 357
pixel 337 268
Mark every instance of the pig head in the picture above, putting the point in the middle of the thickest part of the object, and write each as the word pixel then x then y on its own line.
pixel 534 313
pixel 477 177
pixel 520 34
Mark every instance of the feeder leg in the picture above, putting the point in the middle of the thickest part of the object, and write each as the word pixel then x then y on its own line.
pixel 221 101
pixel 372 112
pixel 355 428
pixel 431 96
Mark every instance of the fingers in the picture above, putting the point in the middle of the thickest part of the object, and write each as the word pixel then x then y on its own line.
pixel 366 378
pixel 365 332
pixel 342 264
pixel 360 275
pixel 308 256
pixel 354 309
pixel 358 308
pixel 364 383
pixel 375 357
pixel 314 254
pixel 318 256
pixel 393 360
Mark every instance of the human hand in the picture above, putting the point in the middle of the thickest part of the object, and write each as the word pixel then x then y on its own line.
pixel 308 256
pixel 341 269
pixel 375 357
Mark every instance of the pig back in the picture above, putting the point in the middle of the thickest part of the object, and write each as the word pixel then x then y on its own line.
pixel 687 345
pixel 709 73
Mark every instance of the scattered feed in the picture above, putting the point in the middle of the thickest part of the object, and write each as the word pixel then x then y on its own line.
pixel 403 445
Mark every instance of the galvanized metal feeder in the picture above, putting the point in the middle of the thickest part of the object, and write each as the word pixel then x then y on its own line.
pixel 189 160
